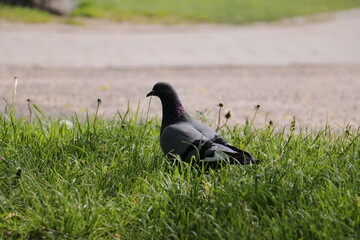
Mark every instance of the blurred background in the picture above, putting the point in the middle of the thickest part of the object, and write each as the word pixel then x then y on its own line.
pixel 293 58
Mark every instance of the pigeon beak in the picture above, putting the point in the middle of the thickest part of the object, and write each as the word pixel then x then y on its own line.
pixel 152 93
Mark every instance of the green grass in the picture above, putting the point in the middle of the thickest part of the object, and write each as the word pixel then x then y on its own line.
pixel 225 11
pixel 188 11
pixel 32 15
pixel 108 179
pixel 24 14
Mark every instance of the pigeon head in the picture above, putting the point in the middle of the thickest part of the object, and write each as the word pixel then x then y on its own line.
pixel 163 90
pixel 173 110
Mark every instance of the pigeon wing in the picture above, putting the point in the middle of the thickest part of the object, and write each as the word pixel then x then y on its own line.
pixel 186 141
pixel 222 145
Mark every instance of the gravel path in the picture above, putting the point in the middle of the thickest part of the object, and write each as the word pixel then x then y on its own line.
pixel 307 69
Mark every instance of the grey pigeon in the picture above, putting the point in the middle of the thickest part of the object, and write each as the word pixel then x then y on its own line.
pixel 181 135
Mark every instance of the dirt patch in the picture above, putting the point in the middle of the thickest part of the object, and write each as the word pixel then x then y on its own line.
pixel 314 94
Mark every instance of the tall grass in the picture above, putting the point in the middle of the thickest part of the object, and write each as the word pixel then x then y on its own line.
pixel 108 179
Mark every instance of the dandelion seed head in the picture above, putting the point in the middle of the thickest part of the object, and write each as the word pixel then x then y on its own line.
pixel 228 114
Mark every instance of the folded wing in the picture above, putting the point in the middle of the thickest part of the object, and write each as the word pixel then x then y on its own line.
pixel 193 138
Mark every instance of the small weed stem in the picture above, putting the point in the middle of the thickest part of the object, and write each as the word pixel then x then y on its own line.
pixel 96 113
pixel 14 96
pixel 30 110
pixel 220 105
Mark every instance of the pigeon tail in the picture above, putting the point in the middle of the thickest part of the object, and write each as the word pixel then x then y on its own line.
pixel 241 158
pixel 208 151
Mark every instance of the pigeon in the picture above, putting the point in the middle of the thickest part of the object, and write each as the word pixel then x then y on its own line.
pixel 189 138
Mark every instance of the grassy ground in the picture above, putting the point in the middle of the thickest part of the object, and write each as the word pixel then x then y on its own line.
pixel 187 11
pixel 225 11
pixel 108 179
pixel 24 14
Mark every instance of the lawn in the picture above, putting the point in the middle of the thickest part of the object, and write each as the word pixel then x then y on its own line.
pixel 187 11
pixel 225 11
pixel 24 14
pixel 101 178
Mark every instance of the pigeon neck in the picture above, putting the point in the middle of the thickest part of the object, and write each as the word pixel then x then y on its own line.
pixel 173 112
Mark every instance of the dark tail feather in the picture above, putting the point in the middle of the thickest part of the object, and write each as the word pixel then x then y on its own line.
pixel 238 158
pixel 241 156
